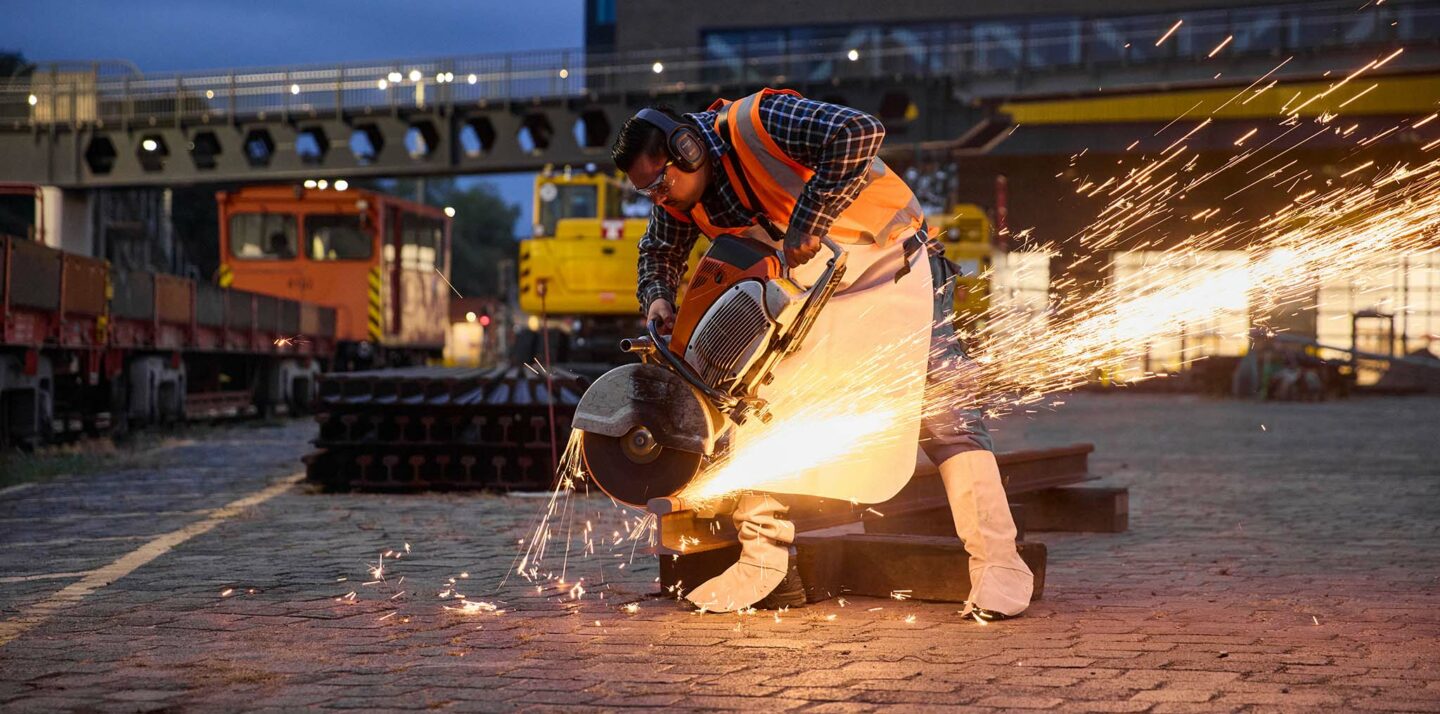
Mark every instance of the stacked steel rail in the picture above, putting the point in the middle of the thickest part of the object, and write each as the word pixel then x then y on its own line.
pixel 442 428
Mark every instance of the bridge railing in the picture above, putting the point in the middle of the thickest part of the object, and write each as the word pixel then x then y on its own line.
pixel 77 97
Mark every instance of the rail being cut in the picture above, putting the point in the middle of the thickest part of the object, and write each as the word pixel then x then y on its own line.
pixel 907 544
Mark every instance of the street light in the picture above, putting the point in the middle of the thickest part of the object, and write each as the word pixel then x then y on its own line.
pixel 657 68
pixel 394 77
pixel 450 211
pixel 341 184
pixel 853 55
pixel 294 89
pixel 382 84
pixel 414 75
pixel 309 183
pixel 322 184
pixel 34 100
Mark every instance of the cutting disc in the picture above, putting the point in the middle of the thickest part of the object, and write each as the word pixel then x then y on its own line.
pixel 635 475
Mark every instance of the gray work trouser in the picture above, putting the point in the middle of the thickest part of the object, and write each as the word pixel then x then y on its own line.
pixel 946 432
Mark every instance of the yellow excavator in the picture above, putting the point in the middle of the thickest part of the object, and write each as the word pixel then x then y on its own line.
pixel 577 272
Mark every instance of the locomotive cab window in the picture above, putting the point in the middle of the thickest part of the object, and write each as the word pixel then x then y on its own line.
pixel 421 242
pixel 561 201
pixel 263 236
pixel 337 237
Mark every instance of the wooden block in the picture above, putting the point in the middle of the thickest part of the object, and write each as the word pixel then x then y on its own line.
pixel 1080 509
pixel 690 569
pixel 922 567
pixel 931 522
pixel 821 560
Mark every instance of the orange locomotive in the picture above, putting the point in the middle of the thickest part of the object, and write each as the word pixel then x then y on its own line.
pixel 378 260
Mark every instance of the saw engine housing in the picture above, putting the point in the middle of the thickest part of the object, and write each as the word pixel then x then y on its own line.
pixel 742 314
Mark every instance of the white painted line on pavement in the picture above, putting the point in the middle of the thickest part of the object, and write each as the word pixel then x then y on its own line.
pixel 73 541
pixel 100 577
pixel 96 516
pixel 42 576
pixel 15 489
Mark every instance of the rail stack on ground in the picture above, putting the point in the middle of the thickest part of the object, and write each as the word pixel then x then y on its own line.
pixel 441 428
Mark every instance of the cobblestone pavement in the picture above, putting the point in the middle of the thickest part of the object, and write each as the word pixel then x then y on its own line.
pixel 1281 556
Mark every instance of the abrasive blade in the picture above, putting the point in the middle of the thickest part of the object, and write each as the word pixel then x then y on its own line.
pixel 625 480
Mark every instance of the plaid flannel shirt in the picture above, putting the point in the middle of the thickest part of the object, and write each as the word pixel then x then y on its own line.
pixel 834 141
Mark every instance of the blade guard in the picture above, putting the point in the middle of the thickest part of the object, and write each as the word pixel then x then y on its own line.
pixel 650 396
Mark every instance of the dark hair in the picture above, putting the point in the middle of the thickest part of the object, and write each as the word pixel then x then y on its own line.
pixel 640 138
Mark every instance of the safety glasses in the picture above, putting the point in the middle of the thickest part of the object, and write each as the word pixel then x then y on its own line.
pixel 660 187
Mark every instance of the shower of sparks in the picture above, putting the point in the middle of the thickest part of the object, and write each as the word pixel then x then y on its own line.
pixel 447 282
pixel 290 341
pixel 1329 226
pixel 1169 32
pixel 1220 46
pixel 559 526
pixel 1325 228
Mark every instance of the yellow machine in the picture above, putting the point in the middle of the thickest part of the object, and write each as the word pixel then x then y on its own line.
pixel 582 257
pixel 965 232
pixel 579 268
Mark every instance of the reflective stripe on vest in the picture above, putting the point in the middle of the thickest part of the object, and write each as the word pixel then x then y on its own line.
pixel 884 209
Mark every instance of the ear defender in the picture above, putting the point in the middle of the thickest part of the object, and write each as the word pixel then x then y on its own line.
pixel 682 141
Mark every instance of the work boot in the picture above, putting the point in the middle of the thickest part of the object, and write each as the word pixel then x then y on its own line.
pixel 789 593
pixel 765 538
pixel 1000 582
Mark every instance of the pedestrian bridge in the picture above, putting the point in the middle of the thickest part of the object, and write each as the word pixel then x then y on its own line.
pixel 108 124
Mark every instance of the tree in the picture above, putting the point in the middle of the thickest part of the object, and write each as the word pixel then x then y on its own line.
pixel 483 240
pixel 13 64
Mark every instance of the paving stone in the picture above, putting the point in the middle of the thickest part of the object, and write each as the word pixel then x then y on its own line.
pixel 1292 569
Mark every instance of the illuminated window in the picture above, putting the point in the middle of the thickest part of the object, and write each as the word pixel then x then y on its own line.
pixel 422 244
pixel 572 201
pixel 337 237
pixel 263 236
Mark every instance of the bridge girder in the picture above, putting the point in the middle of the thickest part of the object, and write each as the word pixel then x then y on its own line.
pixel 478 138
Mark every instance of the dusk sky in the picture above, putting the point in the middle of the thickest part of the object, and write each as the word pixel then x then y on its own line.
pixel 167 35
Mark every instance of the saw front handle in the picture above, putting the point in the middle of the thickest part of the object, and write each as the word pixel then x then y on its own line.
pixel 820 294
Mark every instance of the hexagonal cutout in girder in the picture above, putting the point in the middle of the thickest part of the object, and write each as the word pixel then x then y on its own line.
pixel 100 155
pixel 259 148
pixel 204 148
pixel 366 143
pixel 477 136
pixel 535 133
pixel 311 145
pixel 592 129
pixel 152 152
pixel 421 139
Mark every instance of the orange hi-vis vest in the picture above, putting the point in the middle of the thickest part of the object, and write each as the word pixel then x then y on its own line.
pixel 885 209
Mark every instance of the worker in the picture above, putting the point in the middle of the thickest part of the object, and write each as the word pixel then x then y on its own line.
pixel 788 170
